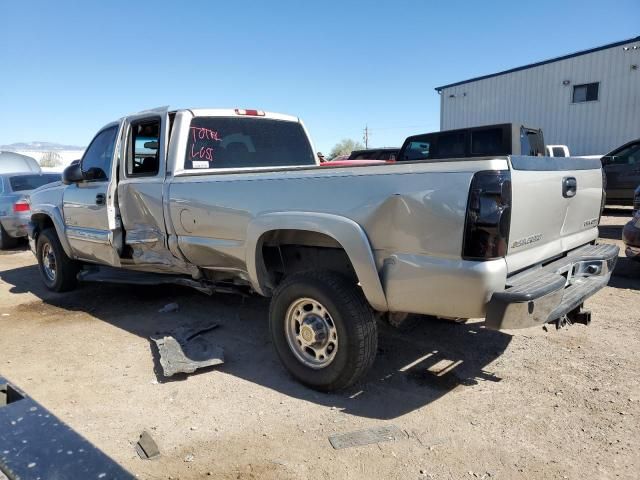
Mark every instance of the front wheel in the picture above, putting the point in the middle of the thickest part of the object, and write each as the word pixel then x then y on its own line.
pixel 323 329
pixel 57 270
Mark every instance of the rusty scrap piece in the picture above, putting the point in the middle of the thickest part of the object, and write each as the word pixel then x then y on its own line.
pixel 187 349
pixel 146 447
pixel 358 438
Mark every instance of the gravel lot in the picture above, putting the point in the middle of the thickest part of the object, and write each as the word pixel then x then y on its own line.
pixel 474 403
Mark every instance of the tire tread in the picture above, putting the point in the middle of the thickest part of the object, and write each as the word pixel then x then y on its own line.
pixel 351 297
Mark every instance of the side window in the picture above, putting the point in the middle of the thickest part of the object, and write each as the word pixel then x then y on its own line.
pixel 143 157
pixel 451 145
pixel 627 156
pixel 558 152
pixel 96 162
pixel 587 92
pixel 417 150
pixel 487 142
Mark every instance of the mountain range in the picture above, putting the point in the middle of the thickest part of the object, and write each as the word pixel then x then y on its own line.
pixel 38 147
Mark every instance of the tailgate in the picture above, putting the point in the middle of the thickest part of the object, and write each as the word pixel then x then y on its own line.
pixel 547 218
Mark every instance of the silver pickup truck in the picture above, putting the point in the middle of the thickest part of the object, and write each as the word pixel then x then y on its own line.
pixel 221 199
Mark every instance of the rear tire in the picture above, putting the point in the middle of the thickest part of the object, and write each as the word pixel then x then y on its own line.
pixel 6 241
pixel 57 270
pixel 323 329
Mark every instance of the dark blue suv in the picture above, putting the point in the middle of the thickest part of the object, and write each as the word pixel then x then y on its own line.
pixel 631 231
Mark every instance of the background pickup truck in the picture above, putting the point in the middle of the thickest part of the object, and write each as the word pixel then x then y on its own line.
pixel 236 199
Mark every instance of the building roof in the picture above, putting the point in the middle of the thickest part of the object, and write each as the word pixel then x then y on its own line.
pixel 544 62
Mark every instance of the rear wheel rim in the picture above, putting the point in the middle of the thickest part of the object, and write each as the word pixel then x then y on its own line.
pixel 49 262
pixel 311 333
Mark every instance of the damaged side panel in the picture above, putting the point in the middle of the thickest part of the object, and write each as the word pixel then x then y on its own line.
pixel 145 236
pixel 140 198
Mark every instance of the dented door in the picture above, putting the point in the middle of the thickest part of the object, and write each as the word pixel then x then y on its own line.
pixel 140 191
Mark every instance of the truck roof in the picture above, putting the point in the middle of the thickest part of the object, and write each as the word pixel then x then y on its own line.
pixel 240 112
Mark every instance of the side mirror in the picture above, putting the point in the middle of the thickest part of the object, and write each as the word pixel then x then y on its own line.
pixel 606 160
pixel 72 174
pixel 94 173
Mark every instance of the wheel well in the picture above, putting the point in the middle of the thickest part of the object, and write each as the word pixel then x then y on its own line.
pixel 41 222
pixel 284 252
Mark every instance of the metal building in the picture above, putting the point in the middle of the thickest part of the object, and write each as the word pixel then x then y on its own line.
pixel 588 100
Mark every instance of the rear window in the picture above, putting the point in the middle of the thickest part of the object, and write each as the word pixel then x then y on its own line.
pixel 232 142
pixel 388 155
pixel 558 151
pixel 21 183
pixel 367 155
pixel 417 150
pixel 531 143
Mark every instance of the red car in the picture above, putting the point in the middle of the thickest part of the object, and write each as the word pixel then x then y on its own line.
pixel 353 163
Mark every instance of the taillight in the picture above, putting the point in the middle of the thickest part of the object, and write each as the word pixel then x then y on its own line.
pixel 251 113
pixel 603 199
pixel 486 230
pixel 21 206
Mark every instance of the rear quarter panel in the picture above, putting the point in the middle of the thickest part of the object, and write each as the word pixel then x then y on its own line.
pixel 411 208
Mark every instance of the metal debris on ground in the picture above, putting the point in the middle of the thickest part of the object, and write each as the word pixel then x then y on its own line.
pixel 146 447
pixel 368 436
pixel 169 307
pixel 187 350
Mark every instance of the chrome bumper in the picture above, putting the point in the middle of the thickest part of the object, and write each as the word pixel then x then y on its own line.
pixel 546 293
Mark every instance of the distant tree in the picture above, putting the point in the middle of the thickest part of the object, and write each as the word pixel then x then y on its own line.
pixel 345 147
pixel 51 159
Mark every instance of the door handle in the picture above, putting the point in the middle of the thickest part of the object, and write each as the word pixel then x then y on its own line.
pixel 100 199
pixel 569 187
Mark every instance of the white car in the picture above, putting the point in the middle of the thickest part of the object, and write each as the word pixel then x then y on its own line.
pixel 11 162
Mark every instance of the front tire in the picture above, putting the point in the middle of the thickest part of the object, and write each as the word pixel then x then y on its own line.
pixel 57 270
pixel 323 329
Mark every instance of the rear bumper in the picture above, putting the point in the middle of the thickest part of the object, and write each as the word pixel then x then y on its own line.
pixel 544 294
pixel 16 225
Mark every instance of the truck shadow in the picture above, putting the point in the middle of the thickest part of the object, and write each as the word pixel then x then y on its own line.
pixel 412 369
pixel 626 274
pixel 618 211
pixel 21 246
pixel 611 232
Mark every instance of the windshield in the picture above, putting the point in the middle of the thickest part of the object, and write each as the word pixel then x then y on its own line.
pixel 20 183
pixel 231 142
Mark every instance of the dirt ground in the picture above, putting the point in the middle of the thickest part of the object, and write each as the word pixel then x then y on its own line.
pixel 474 403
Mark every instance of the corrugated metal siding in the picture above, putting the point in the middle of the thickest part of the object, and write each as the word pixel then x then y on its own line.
pixel 536 97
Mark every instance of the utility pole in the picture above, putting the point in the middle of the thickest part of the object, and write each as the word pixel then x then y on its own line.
pixel 365 137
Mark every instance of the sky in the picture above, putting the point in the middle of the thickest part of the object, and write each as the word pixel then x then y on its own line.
pixel 69 67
